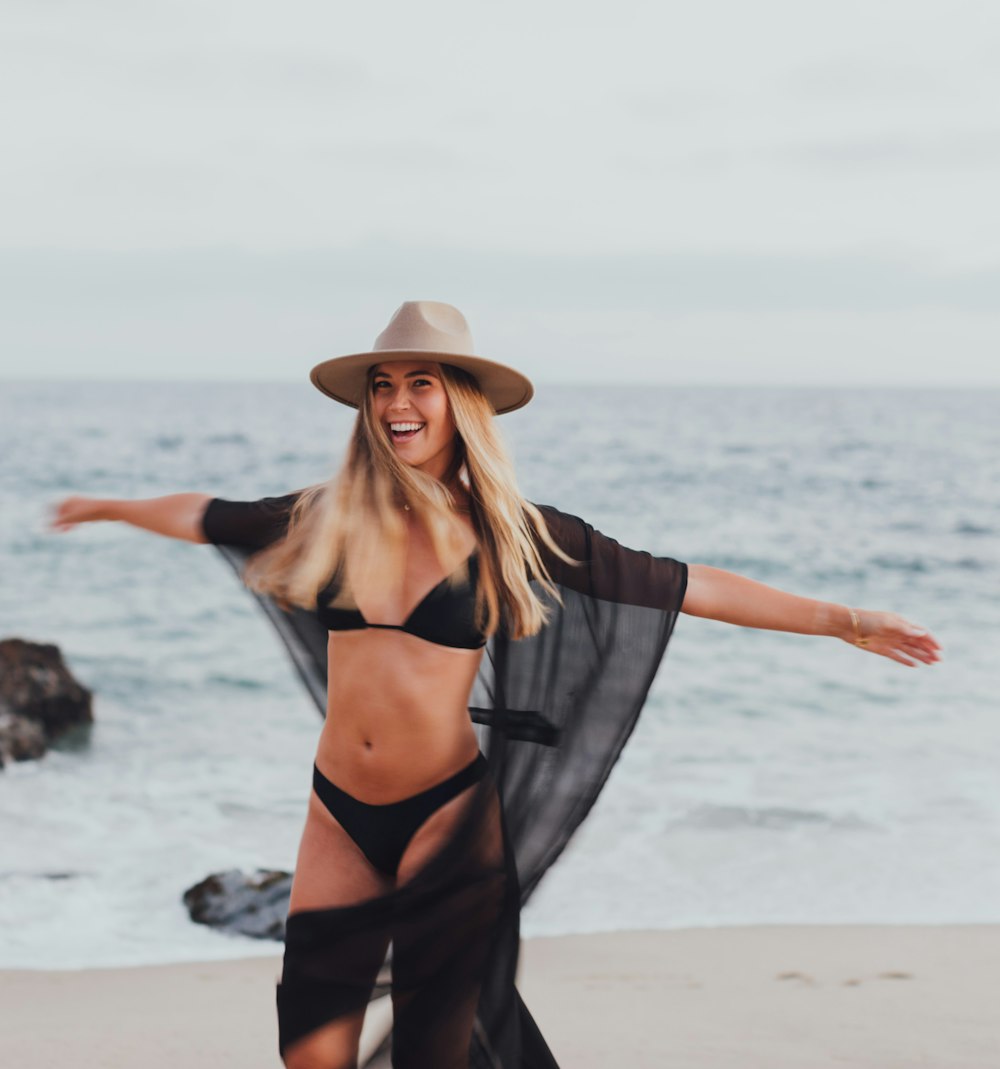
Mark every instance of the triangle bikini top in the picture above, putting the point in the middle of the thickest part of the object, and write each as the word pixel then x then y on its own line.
pixel 444 616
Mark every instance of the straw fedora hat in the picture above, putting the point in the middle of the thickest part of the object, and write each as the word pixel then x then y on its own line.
pixel 423 329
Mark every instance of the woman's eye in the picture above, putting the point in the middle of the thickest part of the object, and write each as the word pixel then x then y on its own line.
pixel 386 382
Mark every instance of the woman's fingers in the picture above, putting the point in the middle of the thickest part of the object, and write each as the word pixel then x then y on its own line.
pixel 69 512
pixel 920 634
pixel 925 648
pixel 919 652
pixel 895 655
pixel 59 516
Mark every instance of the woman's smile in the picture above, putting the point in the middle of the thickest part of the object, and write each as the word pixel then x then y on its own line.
pixel 405 430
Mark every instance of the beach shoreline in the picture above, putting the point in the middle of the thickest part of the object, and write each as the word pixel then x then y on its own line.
pixel 773 997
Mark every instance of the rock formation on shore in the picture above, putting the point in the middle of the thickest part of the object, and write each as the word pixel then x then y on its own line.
pixel 39 699
pixel 254 905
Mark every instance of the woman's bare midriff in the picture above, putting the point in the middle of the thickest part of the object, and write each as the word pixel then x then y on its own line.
pixel 397 714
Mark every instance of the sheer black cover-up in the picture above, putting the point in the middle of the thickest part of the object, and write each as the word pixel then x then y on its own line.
pixel 553 713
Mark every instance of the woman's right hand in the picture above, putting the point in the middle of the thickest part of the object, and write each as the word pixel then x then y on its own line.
pixel 67 513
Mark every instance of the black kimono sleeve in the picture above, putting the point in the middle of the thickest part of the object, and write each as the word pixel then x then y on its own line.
pixel 247 524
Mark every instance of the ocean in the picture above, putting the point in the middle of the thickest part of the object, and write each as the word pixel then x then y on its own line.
pixel 772 778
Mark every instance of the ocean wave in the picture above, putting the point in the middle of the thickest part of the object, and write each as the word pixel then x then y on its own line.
pixel 768 818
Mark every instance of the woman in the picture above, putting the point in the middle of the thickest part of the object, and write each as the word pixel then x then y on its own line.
pixel 417 587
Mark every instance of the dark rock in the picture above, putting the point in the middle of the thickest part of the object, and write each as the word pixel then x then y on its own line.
pixel 254 905
pixel 35 683
pixel 21 739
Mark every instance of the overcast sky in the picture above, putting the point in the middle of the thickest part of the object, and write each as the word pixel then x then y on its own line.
pixel 721 192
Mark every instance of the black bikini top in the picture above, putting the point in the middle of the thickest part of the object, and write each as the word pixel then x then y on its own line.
pixel 445 615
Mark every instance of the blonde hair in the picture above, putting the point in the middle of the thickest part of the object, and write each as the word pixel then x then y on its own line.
pixel 353 523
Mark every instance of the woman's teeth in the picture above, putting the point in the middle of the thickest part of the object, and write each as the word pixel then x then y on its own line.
pixel 403 432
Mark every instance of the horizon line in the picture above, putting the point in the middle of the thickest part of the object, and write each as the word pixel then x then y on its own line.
pixel 586 383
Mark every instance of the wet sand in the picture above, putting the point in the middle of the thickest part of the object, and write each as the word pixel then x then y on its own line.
pixel 727 998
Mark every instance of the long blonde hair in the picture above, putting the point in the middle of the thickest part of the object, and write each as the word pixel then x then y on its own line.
pixel 353 524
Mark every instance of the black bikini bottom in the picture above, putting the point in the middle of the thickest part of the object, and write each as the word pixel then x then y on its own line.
pixel 384 831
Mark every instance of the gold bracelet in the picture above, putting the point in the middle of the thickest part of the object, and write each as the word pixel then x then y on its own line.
pixel 858 640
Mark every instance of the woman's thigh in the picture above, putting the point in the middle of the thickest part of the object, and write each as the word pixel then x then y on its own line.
pixel 483 847
pixel 440 954
pixel 330 869
pixel 334 947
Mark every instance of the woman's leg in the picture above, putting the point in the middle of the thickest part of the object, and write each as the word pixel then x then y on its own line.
pixel 332 951
pixel 440 952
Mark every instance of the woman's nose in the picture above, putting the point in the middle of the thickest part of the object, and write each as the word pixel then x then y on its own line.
pixel 399 402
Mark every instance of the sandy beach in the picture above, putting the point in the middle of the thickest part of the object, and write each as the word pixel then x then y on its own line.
pixel 754 998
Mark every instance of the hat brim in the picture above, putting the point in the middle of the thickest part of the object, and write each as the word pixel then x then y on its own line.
pixel 344 377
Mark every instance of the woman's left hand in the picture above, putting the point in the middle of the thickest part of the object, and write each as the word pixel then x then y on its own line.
pixel 893 636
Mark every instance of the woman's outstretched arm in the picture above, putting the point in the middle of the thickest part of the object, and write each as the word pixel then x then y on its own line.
pixel 716 594
pixel 174 516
